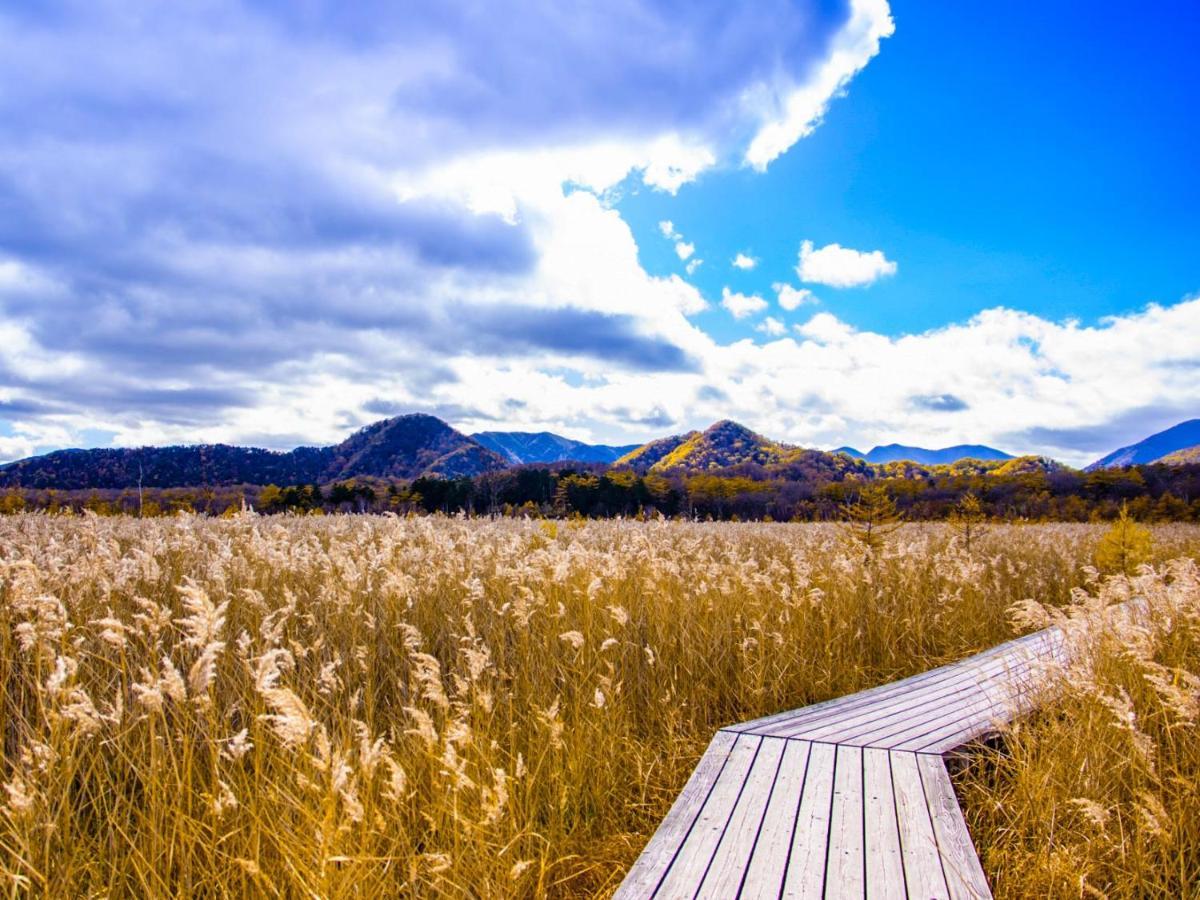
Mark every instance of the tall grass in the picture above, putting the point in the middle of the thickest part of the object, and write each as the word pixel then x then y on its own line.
pixel 373 706
pixel 1098 793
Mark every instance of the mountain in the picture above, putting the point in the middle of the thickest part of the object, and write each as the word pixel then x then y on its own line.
pixel 647 456
pixel 546 447
pixel 403 447
pixel 946 455
pixel 1180 437
pixel 1188 456
pixel 727 445
pixel 722 445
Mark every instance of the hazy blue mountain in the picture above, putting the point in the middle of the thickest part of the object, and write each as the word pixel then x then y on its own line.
pixel 898 452
pixel 545 447
pixel 403 447
pixel 1179 437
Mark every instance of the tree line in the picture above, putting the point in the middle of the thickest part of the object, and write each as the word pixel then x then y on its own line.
pixel 1149 493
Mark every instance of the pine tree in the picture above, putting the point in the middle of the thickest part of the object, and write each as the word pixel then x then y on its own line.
pixel 871 518
pixel 967 518
pixel 1125 545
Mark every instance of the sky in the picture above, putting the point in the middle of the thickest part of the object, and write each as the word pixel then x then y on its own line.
pixel 840 223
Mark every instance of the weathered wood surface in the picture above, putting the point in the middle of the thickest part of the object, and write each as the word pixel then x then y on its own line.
pixel 847 798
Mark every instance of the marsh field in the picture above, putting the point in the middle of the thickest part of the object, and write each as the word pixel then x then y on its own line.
pixel 362 706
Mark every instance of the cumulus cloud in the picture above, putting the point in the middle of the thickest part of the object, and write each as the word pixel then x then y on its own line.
pixel 841 267
pixel 793 111
pixel 744 262
pixel 683 249
pixel 742 305
pixel 791 298
pixel 240 221
pixel 771 327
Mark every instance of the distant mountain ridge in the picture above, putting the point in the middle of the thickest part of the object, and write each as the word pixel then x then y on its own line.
pixel 1154 448
pixel 728 445
pixel 523 447
pixel 404 447
pixel 407 447
pixel 942 457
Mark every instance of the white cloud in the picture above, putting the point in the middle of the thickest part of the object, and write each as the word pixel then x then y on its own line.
pixel 683 249
pixel 744 262
pixel 795 112
pixel 840 267
pixel 308 125
pixel 693 264
pixel 742 305
pixel 791 298
pixel 771 327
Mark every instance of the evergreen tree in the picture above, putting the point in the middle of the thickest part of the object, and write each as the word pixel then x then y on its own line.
pixel 871 518
pixel 967 518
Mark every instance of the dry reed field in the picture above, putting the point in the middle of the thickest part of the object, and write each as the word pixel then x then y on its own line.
pixel 377 706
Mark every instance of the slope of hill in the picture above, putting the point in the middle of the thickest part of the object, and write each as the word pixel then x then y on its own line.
pixel 969 467
pixel 1178 437
pixel 404 447
pixel 520 447
pixel 1188 456
pixel 645 457
pixel 888 453
pixel 722 445
pixel 725 444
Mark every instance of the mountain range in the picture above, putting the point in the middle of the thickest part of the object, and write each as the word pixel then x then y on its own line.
pixel 1176 445
pixel 413 446
pixel 404 447
pixel 522 447
pixel 945 456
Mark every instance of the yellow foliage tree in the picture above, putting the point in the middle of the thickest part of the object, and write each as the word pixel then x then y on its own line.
pixel 1124 547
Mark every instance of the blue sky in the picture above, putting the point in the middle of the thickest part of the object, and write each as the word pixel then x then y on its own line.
pixel 1017 155
pixel 272 223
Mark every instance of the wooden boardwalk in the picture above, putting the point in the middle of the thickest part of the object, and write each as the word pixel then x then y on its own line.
pixel 847 798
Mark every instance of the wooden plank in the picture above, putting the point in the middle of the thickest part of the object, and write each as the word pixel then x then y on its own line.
pixel 996 701
pixel 1004 694
pixel 870 722
pixel 819 802
pixel 764 874
pixel 737 846
pixel 805 876
pixel 881 844
pixel 971 704
pixel 694 856
pixel 1037 644
pixel 918 846
pixel 960 864
pixel 848 721
pixel 814 711
pixel 845 867
pixel 656 859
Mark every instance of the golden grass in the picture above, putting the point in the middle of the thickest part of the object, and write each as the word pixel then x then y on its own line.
pixel 1098 793
pixel 373 706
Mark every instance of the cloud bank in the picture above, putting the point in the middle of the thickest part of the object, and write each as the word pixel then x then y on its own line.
pixel 273 222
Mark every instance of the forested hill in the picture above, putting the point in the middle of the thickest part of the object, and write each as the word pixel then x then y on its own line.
pixel 404 448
